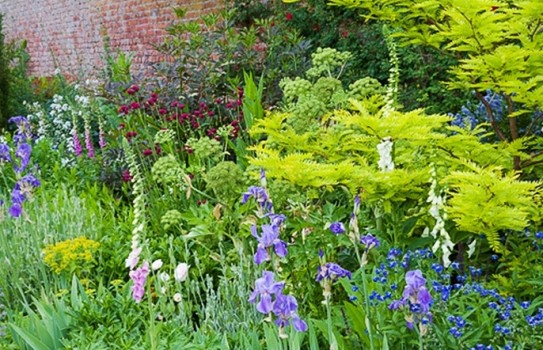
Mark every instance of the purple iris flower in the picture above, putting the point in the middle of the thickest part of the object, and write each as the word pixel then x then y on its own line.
pixel 24 132
pixel 285 308
pixel 337 228
pixel 29 180
pixel 265 287
pixel 4 153
pixel 23 153
pixel 268 238
pixel 332 271
pixel 370 241
pixel 415 295
pixel 15 210
pixel 261 197
pixel 277 219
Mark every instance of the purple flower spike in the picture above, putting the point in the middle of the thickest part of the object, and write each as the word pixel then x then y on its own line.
pixel 265 287
pixel 337 228
pixel 370 241
pixel 88 144
pixel 77 143
pixel 139 276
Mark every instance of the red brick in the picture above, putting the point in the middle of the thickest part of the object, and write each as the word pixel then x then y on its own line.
pixel 71 33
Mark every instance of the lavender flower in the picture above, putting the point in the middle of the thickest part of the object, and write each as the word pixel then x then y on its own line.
pixel 139 276
pixel 285 307
pixel 337 228
pixel 265 287
pixel 268 238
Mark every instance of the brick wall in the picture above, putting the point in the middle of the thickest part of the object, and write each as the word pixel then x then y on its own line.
pixel 69 34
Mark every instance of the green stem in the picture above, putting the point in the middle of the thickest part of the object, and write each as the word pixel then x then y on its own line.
pixel 331 338
pixel 367 301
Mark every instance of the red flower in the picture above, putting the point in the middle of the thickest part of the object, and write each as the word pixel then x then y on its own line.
pixel 147 152
pixel 158 150
pixel 132 90
pixel 288 16
pixel 162 111
pixel 134 105
pixel 345 34
pixel 124 109
pixel 126 177
pixel 122 126
pixel 131 134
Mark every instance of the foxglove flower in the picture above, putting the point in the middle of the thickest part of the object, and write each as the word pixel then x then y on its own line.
pixel 139 277
pixel 88 143
pixel 265 287
pixel 384 149
pixel 76 143
pixel 133 258
pixel 268 238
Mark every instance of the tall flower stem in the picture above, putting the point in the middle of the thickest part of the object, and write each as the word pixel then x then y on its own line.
pixel 152 330
pixel 331 337
pixel 367 302
pixel 421 342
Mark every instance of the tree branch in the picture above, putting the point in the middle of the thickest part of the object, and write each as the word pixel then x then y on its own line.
pixel 490 114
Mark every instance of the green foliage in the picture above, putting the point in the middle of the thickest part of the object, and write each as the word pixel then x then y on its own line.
pixel 343 29
pixel 499 46
pixel 226 181
pixel 343 151
pixel 309 101
pixel 210 56
pixel 487 201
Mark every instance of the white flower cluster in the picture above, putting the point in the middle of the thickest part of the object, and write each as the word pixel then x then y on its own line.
pixel 60 116
pixel 384 148
pixel 443 241
pixel 38 116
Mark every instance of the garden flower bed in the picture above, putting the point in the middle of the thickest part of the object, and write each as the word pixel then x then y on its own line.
pixel 259 192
